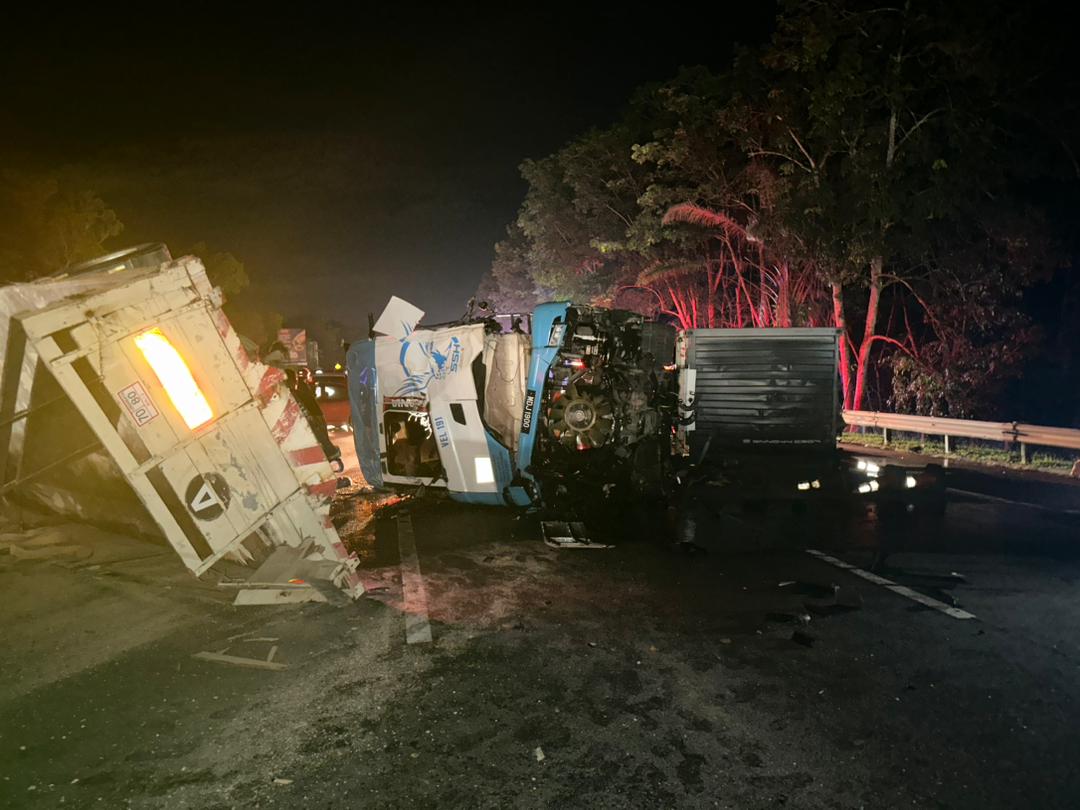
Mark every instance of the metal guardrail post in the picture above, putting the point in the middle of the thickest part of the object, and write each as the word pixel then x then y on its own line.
pixel 1023 453
pixel 884 435
pixel 948 449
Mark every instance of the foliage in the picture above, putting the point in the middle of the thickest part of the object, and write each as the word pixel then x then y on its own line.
pixel 222 268
pixel 991 453
pixel 47 225
pixel 229 273
pixel 509 286
pixel 573 223
pixel 870 168
pixel 257 324
pixel 973 337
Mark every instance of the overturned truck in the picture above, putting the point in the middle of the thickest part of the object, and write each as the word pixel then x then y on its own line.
pixel 127 398
pixel 599 401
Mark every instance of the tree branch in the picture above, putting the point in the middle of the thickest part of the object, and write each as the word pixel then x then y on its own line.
pixel 789 158
pixel 894 342
pixel 915 126
pixel 802 148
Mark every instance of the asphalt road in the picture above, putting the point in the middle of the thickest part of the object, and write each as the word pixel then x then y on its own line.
pixel 741 671
pixel 1053 490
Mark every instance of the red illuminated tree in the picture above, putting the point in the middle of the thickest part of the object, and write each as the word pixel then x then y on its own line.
pixel 867 169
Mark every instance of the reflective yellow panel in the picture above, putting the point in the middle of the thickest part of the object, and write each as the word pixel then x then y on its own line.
pixel 175 377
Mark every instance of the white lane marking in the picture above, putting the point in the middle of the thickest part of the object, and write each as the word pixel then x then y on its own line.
pixel 995 498
pixel 414 595
pixel 888 584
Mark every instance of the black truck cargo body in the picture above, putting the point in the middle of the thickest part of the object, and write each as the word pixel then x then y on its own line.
pixel 765 388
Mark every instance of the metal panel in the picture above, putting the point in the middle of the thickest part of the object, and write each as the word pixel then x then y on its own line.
pixel 765 386
pixel 364 401
pixel 254 467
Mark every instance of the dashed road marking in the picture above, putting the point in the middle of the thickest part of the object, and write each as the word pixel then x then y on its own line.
pixel 414 595
pixel 888 584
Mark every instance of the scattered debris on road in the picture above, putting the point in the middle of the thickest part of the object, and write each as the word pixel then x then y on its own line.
pixel 788 618
pixel 829 609
pixel 573 534
pixel 811 589
pixel 222 657
pixel 46 543
pixel 803 638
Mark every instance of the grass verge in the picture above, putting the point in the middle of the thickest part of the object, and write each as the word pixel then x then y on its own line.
pixel 967 449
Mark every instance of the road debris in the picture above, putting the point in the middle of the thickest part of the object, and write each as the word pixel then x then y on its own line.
pixel 849 598
pixel 803 638
pixel 280 781
pixel 267 639
pixel 221 657
pixel 900 590
pixel 49 552
pixel 829 609
pixel 788 618
pixel 951 577
pixel 563 534
pixel 811 589
pixel 943 596
pixel 539 754
pixel 47 543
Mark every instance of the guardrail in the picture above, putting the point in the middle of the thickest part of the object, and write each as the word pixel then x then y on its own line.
pixel 1007 432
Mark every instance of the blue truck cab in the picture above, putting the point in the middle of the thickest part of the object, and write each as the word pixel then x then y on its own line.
pixel 454 406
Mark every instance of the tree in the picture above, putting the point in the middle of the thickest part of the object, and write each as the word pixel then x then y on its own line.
pixel 872 167
pixel 889 128
pixel 508 286
pixel 229 273
pixel 47 225
pixel 222 268
pixel 259 325
pixel 973 337
pixel 576 214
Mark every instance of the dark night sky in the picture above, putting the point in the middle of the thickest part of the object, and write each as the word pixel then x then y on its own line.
pixel 343 158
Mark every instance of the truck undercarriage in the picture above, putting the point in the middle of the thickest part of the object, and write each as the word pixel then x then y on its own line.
pixel 609 404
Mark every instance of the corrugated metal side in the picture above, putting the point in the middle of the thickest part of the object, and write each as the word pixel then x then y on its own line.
pixel 765 386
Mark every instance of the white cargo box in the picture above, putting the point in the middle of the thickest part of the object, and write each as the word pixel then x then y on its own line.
pixel 212 443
